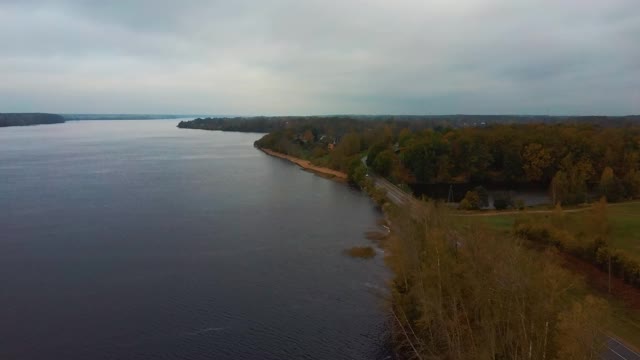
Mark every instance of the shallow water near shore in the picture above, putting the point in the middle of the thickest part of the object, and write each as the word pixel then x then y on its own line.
pixel 135 239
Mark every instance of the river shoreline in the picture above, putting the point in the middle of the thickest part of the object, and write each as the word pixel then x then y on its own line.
pixel 308 166
pixel 342 177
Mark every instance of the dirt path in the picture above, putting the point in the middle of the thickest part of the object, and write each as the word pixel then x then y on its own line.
pixel 307 165
pixel 514 212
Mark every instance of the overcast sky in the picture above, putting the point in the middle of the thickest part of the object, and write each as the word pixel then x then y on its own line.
pixel 321 57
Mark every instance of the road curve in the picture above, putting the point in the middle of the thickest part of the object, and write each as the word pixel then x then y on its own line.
pixel 394 194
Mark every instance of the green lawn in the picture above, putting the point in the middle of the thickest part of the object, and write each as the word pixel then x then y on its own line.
pixel 624 219
pixel 500 222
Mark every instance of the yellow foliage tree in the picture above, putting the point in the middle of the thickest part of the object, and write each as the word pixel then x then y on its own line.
pixel 580 330
pixel 535 161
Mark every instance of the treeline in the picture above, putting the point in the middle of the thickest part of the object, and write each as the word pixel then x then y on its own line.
pixel 266 124
pixel 574 155
pixel 574 161
pixel 340 124
pixel 460 292
pixel 122 116
pixel 23 119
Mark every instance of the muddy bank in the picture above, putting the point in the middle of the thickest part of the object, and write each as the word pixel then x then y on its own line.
pixel 307 165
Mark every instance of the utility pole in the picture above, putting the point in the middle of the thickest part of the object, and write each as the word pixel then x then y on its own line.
pixel 609 271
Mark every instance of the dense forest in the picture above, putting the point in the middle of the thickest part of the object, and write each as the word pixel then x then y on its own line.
pixel 339 124
pixel 23 119
pixel 575 159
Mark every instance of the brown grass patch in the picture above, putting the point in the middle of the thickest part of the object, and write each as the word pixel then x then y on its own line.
pixel 362 252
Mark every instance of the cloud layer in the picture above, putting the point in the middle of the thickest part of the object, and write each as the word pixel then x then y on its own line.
pixel 321 57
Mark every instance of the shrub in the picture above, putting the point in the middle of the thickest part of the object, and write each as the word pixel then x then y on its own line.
pixel 536 233
pixel 500 204
pixel 318 151
pixel 471 201
pixel 357 173
pixel 597 252
pixel 502 200
pixel 464 205
pixel 519 204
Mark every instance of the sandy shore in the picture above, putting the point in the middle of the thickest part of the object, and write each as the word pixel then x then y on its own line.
pixel 307 165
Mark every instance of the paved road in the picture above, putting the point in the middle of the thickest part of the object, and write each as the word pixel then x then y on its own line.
pixel 395 195
pixel 619 351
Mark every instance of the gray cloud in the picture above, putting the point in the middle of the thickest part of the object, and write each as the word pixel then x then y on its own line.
pixel 321 57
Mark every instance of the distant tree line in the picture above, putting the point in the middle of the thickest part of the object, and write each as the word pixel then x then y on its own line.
pixel 23 119
pixel 574 157
pixel 342 123
pixel 122 116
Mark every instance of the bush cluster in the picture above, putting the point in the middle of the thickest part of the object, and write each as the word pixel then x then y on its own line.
pixel 596 251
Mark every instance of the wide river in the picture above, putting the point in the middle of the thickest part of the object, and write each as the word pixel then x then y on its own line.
pixel 139 240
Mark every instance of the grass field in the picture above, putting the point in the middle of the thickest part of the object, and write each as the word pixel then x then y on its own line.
pixel 625 220
pixel 500 222
pixel 623 217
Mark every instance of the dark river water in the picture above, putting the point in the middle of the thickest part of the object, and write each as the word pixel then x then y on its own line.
pixel 138 240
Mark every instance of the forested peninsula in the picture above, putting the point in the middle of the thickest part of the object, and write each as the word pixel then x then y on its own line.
pixel 346 122
pixel 570 156
pixel 24 119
